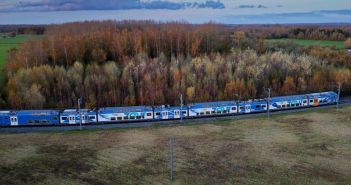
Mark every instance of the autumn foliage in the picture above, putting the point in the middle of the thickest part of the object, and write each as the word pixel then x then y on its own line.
pixel 145 63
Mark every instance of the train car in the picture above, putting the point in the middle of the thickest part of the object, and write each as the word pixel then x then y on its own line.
pixel 244 107
pixel 288 102
pixel 34 117
pixel 324 98
pixel 124 114
pixel 212 108
pixel 72 116
pixel 167 112
pixel 5 118
pixel 257 106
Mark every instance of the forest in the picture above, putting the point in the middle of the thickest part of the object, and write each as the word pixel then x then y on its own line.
pixel 109 63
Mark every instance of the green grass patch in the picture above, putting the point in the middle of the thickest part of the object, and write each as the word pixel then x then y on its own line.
pixel 11 42
pixel 306 42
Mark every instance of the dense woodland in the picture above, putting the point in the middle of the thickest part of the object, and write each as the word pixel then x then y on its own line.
pixel 146 63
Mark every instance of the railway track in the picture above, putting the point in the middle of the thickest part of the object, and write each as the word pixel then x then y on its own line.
pixel 343 102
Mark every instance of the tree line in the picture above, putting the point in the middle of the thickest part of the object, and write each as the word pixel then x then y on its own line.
pixel 145 81
pixel 146 63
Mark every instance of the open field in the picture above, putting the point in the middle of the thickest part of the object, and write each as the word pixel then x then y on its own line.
pixel 337 44
pixel 8 43
pixel 303 148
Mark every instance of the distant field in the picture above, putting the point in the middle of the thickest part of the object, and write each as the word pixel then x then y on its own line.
pixel 338 44
pixel 8 43
pixel 303 148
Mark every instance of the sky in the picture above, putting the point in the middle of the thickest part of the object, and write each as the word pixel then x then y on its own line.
pixel 193 11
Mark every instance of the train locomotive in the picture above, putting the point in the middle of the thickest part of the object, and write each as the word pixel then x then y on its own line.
pixel 148 113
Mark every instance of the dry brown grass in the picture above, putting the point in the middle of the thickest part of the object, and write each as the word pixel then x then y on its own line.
pixel 309 148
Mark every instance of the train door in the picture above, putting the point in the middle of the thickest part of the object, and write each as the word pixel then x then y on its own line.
pixel 164 114
pixel 176 114
pixel 13 120
pixel 247 108
pixel 84 118
pixel 72 119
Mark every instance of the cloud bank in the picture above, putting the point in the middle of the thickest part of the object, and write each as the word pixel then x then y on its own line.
pixel 322 16
pixel 252 6
pixel 71 5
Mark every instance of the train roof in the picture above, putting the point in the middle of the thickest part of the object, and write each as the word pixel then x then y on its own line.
pixel 214 104
pixel 328 93
pixel 126 109
pixel 36 112
pixel 76 110
pixel 160 108
pixel 256 101
pixel 284 98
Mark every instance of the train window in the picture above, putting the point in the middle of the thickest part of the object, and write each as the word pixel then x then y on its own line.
pixel 158 113
pixel 202 113
pixel 148 114
pixel 225 111
pixel 36 121
pixel 132 117
pixel 138 117
pixel 288 105
pixel 213 112
pixel 304 101
pixel 119 118
pixel 43 121
pixel 233 108
pixel 311 101
pixel 64 118
pixel 208 112
pixel 91 117
pixel 283 106
pixel 125 117
pixel 113 118
pixel 54 118
pixel 279 106
pixel 258 106
pixel 184 112
pixel 176 112
pixel 30 121
pixel 240 108
pixel 197 114
pixel 164 113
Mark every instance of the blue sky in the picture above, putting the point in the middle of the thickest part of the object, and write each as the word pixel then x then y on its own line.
pixel 194 11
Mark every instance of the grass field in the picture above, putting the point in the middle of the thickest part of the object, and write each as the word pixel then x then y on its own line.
pixel 8 43
pixel 302 148
pixel 337 44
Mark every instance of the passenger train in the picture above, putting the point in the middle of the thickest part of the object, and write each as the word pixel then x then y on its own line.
pixel 148 113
